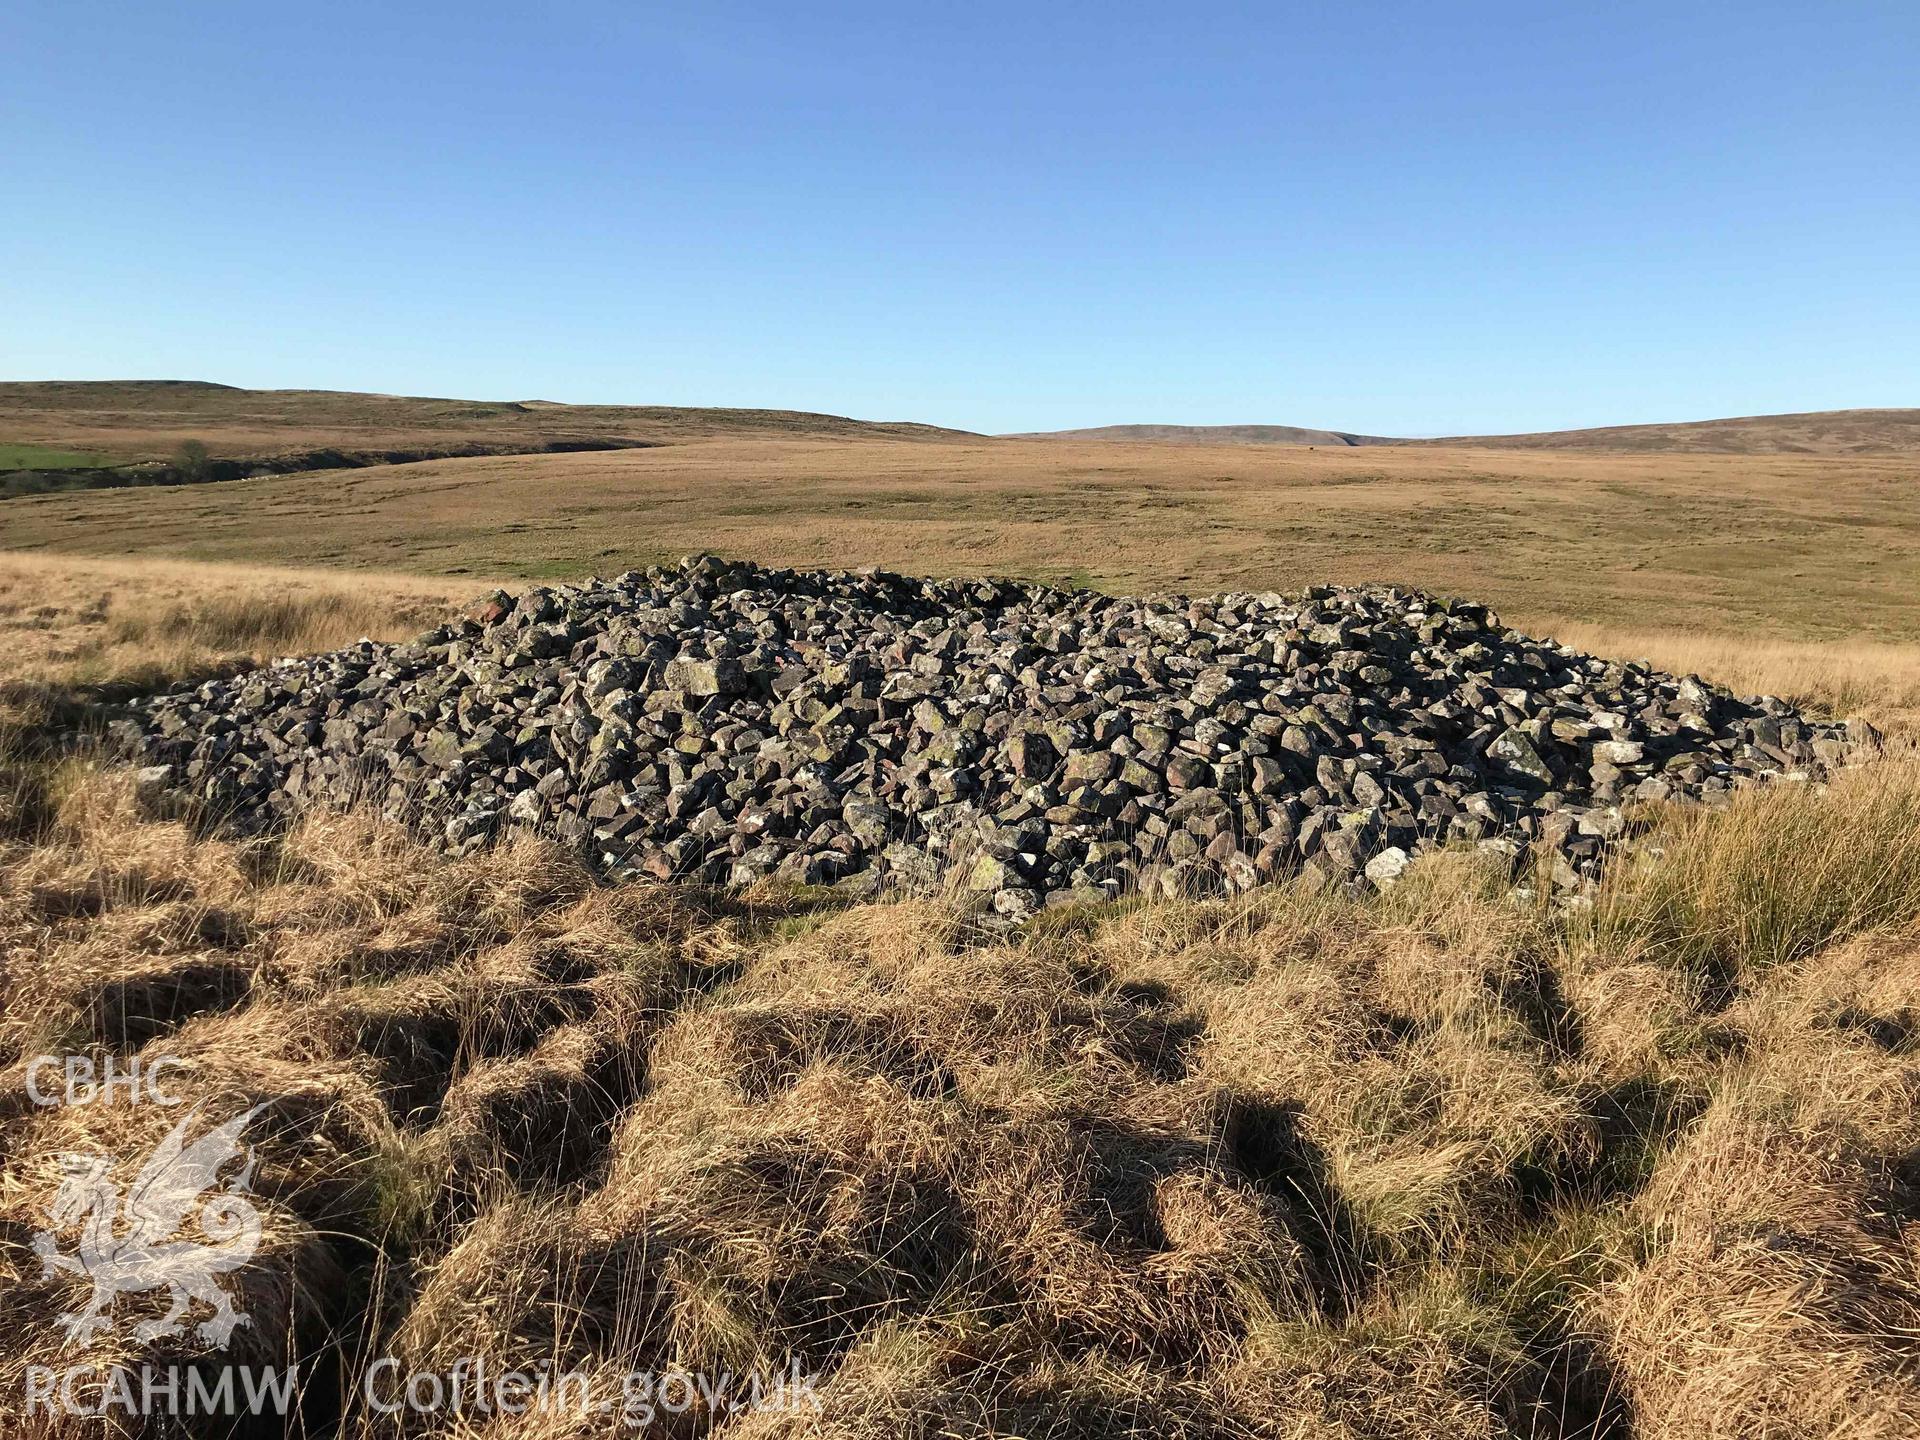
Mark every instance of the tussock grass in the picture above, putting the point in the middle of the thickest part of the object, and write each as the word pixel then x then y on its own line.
pixel 227 624
pixel 1288 1164
pixel 107 625
pixel 1775 1291
pixel 1773 877
pixel 1442 1162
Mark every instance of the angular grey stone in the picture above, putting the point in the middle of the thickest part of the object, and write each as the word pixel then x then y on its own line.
pixel 1030 756
pixel 1387 867
pixel 705 677
pixel 1184 772
pixel 989 872
pixel 151 783
pixel 1091 767
pixel 1620 752
pixel 1514 750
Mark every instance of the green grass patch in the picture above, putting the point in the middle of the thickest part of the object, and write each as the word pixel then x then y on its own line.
pixel 46 457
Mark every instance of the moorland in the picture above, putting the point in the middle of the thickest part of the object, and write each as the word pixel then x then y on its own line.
pixel 1434 1161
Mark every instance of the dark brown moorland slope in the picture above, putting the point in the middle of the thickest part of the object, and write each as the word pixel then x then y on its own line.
pixel 126 421
pixel 1812 432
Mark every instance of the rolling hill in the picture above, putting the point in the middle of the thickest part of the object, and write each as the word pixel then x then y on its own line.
pixel 131 421
pixel 1817 432
pixel 1212 435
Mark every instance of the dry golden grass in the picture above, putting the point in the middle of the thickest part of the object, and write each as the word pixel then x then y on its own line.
pixel 1771 547
pixel 101 626
pixel 1442 1163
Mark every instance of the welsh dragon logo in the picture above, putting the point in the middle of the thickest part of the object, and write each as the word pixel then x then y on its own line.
pixel 126 1245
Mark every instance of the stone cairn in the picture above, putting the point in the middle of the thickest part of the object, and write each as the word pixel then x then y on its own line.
pixel 722 722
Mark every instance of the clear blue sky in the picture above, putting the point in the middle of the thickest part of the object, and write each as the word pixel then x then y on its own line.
pixel 1407 218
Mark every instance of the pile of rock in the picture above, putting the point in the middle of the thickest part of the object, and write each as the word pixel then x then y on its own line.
pixel 724 722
